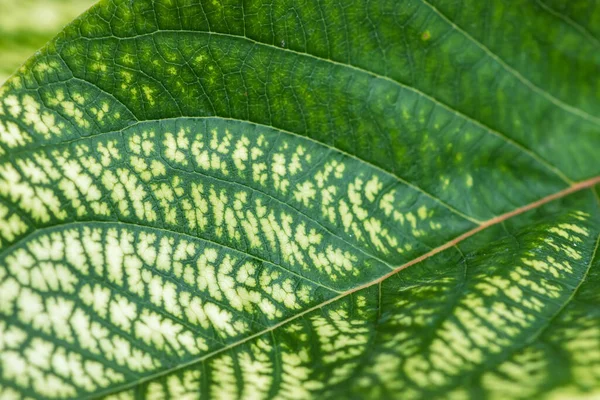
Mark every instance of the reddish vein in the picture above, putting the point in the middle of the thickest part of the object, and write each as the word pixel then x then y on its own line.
pixel 491 222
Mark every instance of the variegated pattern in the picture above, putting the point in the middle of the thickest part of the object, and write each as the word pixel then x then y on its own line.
pixel 295 200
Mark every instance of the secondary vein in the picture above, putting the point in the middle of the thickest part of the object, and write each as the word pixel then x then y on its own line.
pixel 494 221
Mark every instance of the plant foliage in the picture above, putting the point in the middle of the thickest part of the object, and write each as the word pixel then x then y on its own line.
pixel 304 199
pixel 26 25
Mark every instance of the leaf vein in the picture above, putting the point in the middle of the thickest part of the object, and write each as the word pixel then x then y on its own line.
pixel 395 82
pixel 532 86
pixel 494 221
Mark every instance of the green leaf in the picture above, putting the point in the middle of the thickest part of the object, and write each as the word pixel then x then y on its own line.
pixel 293 199
pixel 26 25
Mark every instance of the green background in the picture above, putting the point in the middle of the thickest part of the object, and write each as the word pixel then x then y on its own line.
pixel 27 25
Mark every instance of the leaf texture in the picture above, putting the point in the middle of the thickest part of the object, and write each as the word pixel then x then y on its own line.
pixel 294 199
pixel 27 25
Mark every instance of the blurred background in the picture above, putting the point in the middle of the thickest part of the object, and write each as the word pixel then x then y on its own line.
pixel 26 25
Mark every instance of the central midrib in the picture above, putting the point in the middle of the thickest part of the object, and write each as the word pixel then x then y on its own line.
pixel 587 184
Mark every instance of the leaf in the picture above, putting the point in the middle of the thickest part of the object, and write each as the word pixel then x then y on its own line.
pixel 26 25
pixel 291 199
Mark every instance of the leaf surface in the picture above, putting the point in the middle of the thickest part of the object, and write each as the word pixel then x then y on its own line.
pixel 223 198
pixel 27 25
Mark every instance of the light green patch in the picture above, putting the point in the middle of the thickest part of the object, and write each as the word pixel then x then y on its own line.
pixel 296 201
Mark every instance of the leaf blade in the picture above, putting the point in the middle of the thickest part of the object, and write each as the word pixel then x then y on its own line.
pixel 214 184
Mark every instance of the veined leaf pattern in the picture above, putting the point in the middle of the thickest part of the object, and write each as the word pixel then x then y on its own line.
pixel 292 199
